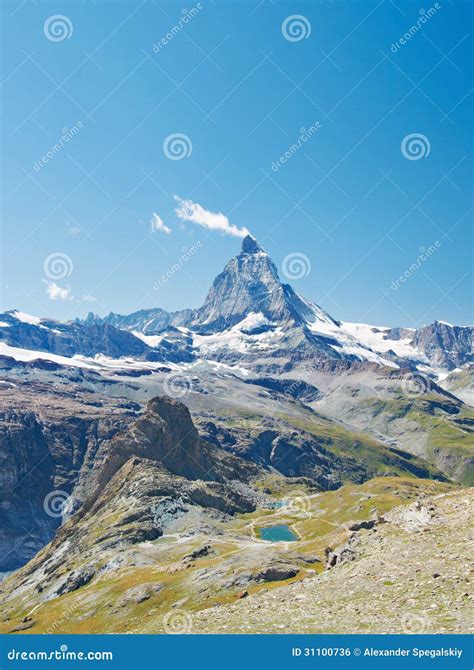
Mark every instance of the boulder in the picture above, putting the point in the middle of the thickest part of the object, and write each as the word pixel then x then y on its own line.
pixel 277 573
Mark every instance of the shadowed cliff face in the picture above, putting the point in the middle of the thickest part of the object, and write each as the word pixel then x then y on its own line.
pixel 26 477
pixel 152 475
pixel 48 441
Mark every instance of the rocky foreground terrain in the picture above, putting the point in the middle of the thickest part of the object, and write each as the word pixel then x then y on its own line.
pixel 410 574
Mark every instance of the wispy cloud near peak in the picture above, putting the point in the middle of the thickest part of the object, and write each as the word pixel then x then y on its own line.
pixel 187 210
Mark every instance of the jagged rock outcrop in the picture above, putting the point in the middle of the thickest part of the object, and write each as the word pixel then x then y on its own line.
pixel 166 434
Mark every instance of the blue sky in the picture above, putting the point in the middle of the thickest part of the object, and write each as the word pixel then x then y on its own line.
pixel 347 198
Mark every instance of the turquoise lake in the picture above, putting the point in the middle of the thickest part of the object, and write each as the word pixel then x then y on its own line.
pixel 281 533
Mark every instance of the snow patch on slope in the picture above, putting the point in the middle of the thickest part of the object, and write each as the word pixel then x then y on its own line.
pixel 151 340
pixel 99 362
pixel 375 338
pixel 25 318
pixel 237 339
pixel 347 343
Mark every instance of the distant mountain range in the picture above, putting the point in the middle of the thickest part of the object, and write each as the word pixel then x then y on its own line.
pixel 251 319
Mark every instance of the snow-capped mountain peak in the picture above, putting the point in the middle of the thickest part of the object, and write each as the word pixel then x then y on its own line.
pixel 251 246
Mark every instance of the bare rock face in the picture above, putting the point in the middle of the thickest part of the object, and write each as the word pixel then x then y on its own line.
pixel 60 446
pixel 446 346
pixel 47 444
pixel 26 476
pixel 136 505
pixel 249 284
pixel 159 465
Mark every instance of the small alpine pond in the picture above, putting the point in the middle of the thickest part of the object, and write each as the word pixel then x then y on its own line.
pixel 280 533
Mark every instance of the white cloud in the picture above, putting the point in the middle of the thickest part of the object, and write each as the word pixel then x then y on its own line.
pixel 88 298
pixel 191 211
pixel 157 224
pixel 56 292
